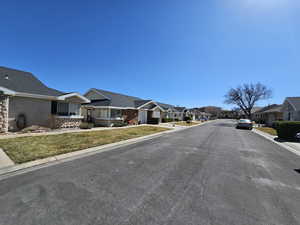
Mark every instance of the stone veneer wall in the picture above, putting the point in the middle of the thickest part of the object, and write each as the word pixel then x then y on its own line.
pixel 60 122
pixel 4 113
pixel 130 116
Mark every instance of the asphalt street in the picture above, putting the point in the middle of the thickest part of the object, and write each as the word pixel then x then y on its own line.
pixel 211 174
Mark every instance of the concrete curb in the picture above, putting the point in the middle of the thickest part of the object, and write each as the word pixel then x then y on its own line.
pixel 271 138
pixel 41 163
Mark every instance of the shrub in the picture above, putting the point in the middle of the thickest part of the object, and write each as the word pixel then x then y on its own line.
pixel 287 129
pixel 167 120
pixel 85 125
pixel 187 118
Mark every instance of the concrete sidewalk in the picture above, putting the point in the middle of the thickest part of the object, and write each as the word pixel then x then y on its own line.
pixel 5 161
pixel 290 146
pixel 77 130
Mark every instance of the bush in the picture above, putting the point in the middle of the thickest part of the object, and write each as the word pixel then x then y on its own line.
pixel 167 120
pixel 86 125
pixel 187 118
pixel 287 129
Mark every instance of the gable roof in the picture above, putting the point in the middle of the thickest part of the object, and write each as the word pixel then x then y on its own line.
pixel 179 109
pixel 165 106
pixel 295 102
pixel 25 82
pixel 139 103
pixel 270 109
pixel 116 100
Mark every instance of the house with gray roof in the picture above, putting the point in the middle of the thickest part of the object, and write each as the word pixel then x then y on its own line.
pixel 170 111
pixel 26 101
pixel 291 109
pixel 108 108
pixel 269 114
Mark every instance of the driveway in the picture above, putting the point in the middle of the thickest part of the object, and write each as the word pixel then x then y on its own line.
pixel 211 174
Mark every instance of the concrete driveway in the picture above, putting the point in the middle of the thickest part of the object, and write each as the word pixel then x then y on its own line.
pixel 211 174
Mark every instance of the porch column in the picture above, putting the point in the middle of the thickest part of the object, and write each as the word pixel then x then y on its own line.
pixel 4 102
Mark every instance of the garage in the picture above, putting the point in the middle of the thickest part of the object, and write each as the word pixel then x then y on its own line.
pixel 142 116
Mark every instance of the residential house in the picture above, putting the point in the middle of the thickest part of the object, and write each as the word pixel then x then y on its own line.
pixel 169 110
pixel 113 109
pixel 255 109
pixel 180 113
pixel 291 109
pixel 26 101
pixel 269 114
pixel 214 111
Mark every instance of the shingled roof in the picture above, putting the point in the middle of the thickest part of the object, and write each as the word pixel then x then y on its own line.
pixel 24 82
pixel 270 109
pixel 295 101
pixel 165 106
pixel 116 100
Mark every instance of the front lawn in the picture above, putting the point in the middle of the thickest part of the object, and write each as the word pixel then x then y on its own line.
pixel 268 130
pixel 24 149
pixel 184 123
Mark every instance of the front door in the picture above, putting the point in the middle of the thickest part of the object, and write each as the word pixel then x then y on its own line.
pixel 142 116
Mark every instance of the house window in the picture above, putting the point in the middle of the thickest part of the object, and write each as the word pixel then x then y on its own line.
pixel 102 113
pixel 74 109
pixel 290 116
pixel 63 109
pixel 116 113
pixel 156 114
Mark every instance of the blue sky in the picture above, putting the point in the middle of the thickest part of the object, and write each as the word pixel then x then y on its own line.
pixel 180 52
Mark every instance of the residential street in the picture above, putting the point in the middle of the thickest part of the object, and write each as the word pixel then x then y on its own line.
pixel 211 174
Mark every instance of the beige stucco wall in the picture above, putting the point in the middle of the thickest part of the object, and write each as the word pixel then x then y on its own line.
pixel 37 111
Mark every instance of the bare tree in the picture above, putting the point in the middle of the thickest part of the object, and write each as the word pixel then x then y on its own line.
pixel 246 96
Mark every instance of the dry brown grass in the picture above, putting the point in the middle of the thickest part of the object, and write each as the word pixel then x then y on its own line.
pixel 24 149
pixel 184 123
pixel 268 130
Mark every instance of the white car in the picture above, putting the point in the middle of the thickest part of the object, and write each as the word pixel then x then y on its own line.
pixel 244 124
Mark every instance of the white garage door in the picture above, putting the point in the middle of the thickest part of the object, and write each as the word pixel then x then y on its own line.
pixel 142 116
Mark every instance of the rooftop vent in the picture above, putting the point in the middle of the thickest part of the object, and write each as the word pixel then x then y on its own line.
pixel 6 77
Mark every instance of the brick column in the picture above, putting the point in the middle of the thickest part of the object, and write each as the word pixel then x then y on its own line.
pixel 4 100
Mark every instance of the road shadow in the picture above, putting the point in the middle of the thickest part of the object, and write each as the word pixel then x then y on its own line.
pixel 224 125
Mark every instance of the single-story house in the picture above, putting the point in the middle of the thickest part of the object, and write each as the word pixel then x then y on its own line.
pixel 197 114
pixel 181 113
pixel 269 114
pixel 26 101
pixel 113 109
pixel 291 109
pixel 169 111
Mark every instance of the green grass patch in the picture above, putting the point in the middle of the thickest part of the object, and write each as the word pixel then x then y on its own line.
pixel 24 149
pixel 268 130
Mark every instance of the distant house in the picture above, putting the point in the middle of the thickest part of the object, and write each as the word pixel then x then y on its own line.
pixel 181 113
pixel 214 111
pixel 113 109
pixel 26 101
pixel 169 111
pixel 291 109
pixel 267 115
pixel 253 113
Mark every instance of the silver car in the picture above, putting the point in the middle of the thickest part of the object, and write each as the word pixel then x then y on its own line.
pixel 244 124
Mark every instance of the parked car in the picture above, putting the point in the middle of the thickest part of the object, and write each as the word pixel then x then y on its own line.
pixel 244 124
pixel 298 136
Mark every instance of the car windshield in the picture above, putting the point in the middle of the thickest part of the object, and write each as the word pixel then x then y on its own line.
pixel 244 121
